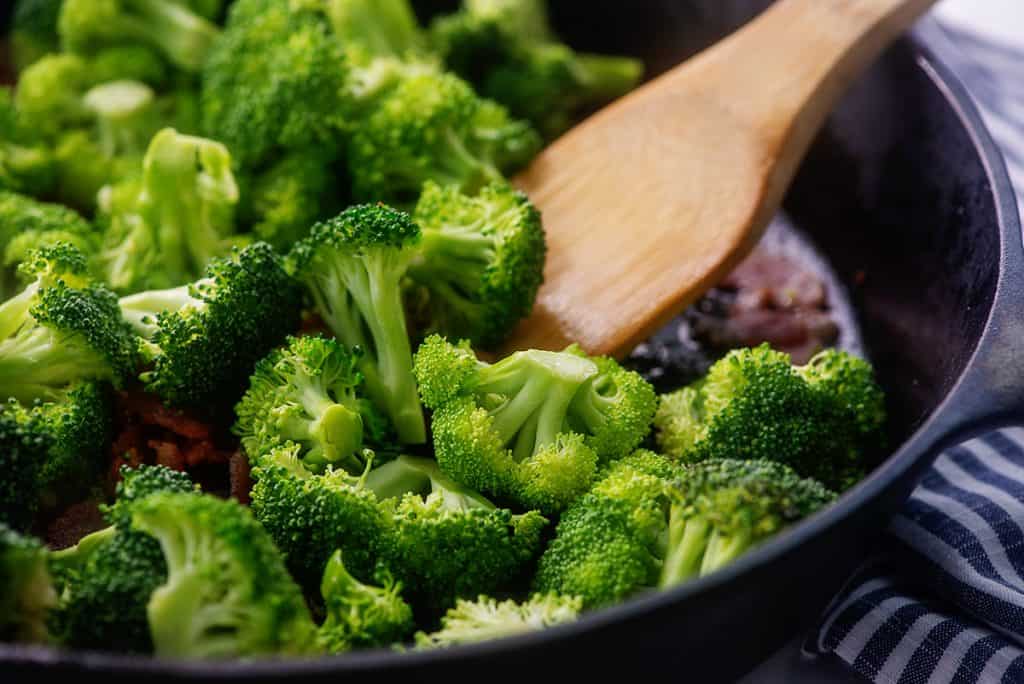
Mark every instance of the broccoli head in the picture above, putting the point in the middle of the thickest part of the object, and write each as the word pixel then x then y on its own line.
pixel 60 329
pixel 182 36
pixel 608 543
pixel 353 266
pixel 26 163
pixel 451 543
pixel 274 81
pixel 310 516
pixel 309 393
pixel 507 50
pixel 21 443
pixel 34 31
pixel 163 230
pixel 433 126
pixel 360 615
pixel 111 574
pixel 200 342
pixel 723 508
pixel 387 28
pixel 227 593
pixel 823 420
pixel 534 426
pixel 480 263
pixel 27 594
pixel 485 619
pixel 50 92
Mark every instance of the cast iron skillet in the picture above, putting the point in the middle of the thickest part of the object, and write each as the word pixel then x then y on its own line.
pixel 906 195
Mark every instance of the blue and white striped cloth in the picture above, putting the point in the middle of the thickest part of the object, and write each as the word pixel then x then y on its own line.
pixel 944 599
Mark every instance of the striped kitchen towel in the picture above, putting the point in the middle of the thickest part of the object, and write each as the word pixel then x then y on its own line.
pixel 944 599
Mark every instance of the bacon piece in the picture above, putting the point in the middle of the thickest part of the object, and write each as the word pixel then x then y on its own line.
pixel 241 478
pixel 73 523
pixel 168 454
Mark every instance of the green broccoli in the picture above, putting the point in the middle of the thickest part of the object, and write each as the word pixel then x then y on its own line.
pixel 372 78
pixel 163 230
pixel 310 516
pixel 608 543
pixel 27 225
pixel 125 116
pixel 386 28
pixel 353 266
pixel 130 63
pixel 723 508
pixel 274 82
pixel 201 341
pixel 21 443
pixel 534 426
pixel 182 36
pixel 60 329
pixel 82 170
pixel 360 615
pixel 26 588
pixel 432 126
pixel 824 419
pixel 485 619
pixel 26 164
pixel 480 263
pixel 227 593
pixel 451 543
pixel 50 91
pixel 111 574
pixel 281 202
pixel 507 50
pixel 308 393
pixel 33 31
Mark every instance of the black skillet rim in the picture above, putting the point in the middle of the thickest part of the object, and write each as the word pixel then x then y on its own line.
pixel 932 432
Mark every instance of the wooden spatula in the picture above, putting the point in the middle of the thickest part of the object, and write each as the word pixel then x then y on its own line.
pixel 653 200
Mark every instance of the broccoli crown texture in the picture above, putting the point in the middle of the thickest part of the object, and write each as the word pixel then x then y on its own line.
pixel 26 588
pixel 433 126
pixel 201 342
pixel 353 266
pixel 60 329
pixel 21 444
pixel 169 26
pixel 360 615
pixel 274 81
pixel 227 593
pixel 723 508
pixel 486 618
pixel 26 164
pixel 163 229
pixel 607 544
pixel 824 419
pixel 309 393
pixel 480 263
pixel 534 426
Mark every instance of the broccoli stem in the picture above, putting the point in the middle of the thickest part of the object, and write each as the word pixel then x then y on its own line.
pixel 404 475
pixel 122 110
pixel 722 550
pixel 606 77
pixel 687 542
pixel 453 261
pixel 14 311
pixel 460 167
pixel 384 27
pixel 50 362
pixel 141 310
pixel 334 435
pixel 184 37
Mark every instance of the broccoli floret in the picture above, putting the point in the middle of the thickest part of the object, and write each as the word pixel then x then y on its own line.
pixel 274 81
pixel 608 543
pixel 227 593
pixel 360 615
pixel 21 443
pixel 507 50
pixel 49 94
pixel 114 572
pixel 26 164
pixel 823 420
pixel 27 225
pixel 381 27
pixel 125 116
pixel 282 202
pixel 353 266
pixel 162 231
pixel 453 543
pixel 480 263
pixel 534 426
pixel 309 516
pixel 129 63
pixel 723 508
pixel 26 588
pixel 308 393
pixel 185 38
pixel 200 342
pixel 485 619
pixel 432 126
pixel 60 329
pixel 82 170
pixel 33 31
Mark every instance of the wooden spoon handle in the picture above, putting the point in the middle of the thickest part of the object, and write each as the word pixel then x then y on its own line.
pixel 784 89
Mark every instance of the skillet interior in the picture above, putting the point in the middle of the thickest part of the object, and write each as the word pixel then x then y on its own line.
pixel 895 189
